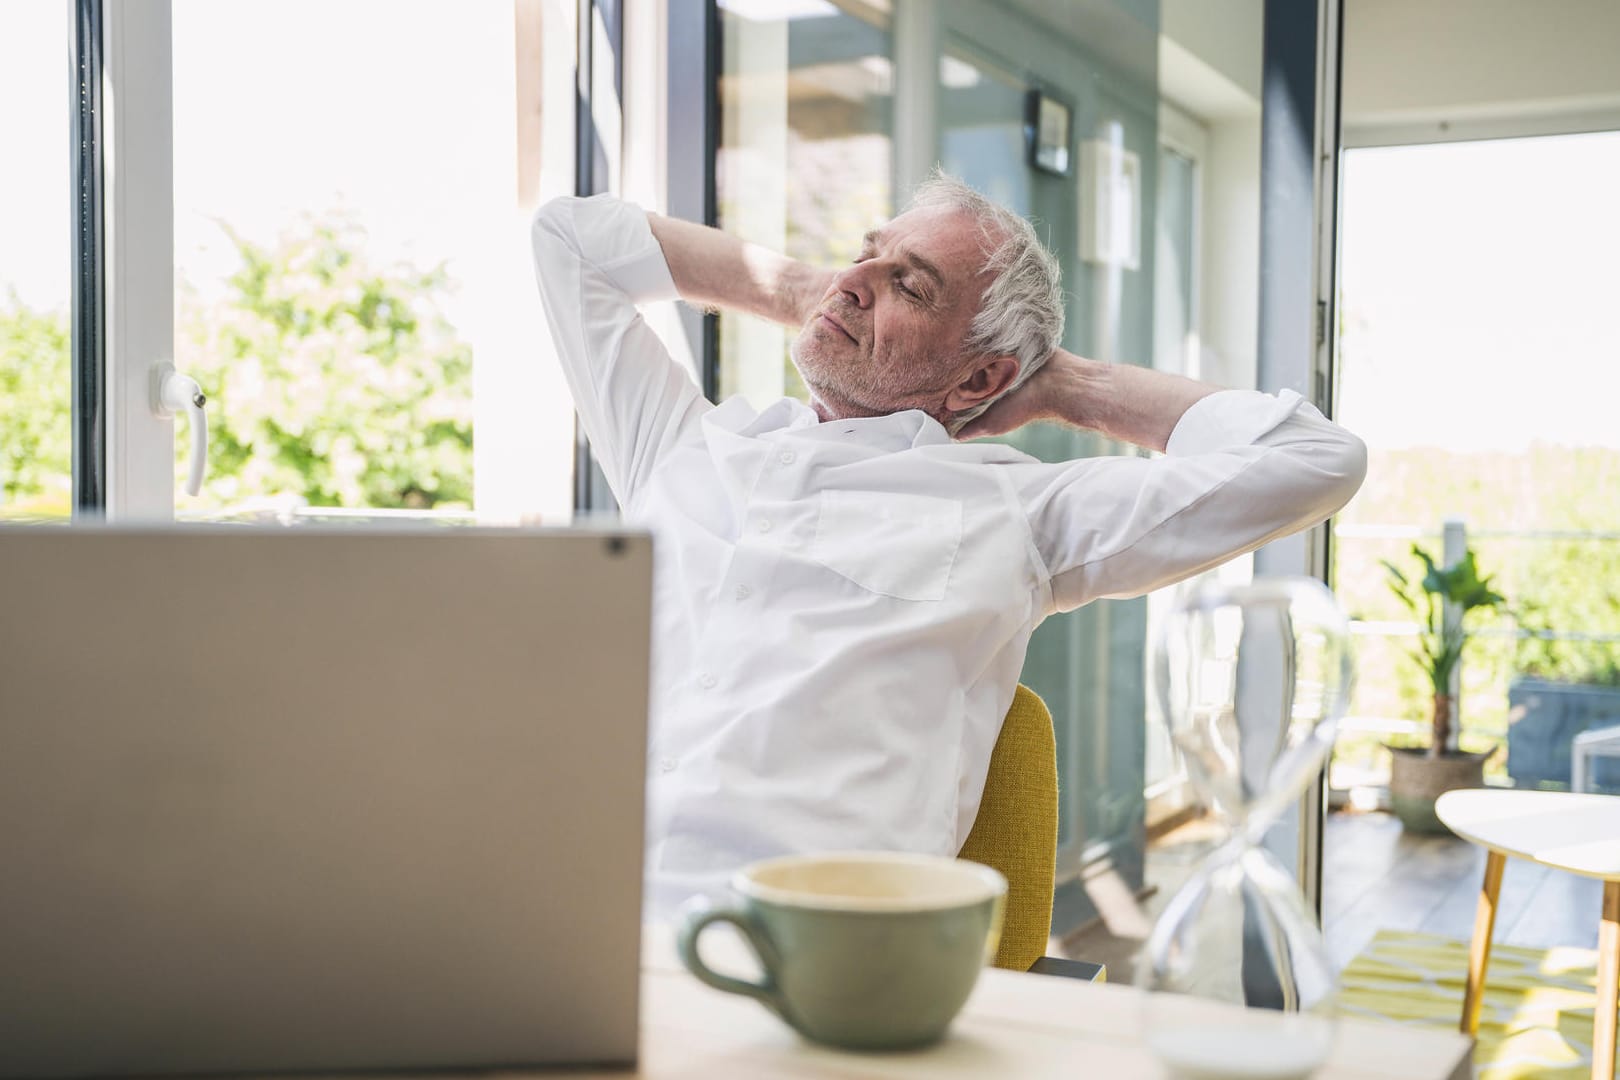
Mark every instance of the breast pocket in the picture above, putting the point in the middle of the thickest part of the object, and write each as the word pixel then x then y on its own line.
pixel 897 545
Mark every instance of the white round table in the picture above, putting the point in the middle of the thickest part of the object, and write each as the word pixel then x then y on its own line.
pixel 1577 833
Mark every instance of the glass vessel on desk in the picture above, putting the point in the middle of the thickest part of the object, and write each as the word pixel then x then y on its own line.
pixel 1252 680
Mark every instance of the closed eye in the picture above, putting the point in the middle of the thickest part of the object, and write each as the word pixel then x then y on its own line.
pixel 899 282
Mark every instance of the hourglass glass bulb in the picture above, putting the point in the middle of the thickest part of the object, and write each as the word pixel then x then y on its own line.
pixel 1251 680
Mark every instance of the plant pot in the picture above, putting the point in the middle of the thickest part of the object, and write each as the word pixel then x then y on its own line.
pixel 1416 780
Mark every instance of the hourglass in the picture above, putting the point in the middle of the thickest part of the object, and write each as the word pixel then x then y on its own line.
pixel 1252 680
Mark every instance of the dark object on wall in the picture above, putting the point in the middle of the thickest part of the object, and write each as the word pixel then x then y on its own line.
pixel 1049 131
pixel 1543 720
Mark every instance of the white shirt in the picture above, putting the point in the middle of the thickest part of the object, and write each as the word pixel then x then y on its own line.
pixel 842 608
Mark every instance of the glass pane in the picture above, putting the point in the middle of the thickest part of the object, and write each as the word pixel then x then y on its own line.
pixel 353 284
pixel 1175 349
pixel 1521 471
pixel 1175 337
pixel 36 246
pixel 1158 244
pixel 982 126
pixel 806 104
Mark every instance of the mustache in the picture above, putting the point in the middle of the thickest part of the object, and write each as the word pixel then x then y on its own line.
pixel 844 316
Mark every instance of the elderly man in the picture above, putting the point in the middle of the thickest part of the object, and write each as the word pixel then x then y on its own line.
pixel 844 592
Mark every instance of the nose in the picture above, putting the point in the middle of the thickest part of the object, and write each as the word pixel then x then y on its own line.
pixel 854 283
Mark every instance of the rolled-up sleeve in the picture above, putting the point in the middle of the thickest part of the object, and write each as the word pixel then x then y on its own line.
pixel 595 260
pixel 1241 469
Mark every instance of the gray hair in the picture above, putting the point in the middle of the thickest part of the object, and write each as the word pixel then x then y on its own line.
pixel 1022 312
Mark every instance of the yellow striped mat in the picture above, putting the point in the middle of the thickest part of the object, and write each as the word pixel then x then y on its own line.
pixel 1535 1021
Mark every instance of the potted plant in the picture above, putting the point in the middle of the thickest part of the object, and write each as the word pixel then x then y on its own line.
pixel 1418 776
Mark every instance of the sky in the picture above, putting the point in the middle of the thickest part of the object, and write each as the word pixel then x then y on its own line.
pixel 396 112
pixel 35 211
pixel 1480 283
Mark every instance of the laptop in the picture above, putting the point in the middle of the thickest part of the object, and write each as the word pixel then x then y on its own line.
pixel 301 799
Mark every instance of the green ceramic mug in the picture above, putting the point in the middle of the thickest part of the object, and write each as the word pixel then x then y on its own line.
pixel 863 950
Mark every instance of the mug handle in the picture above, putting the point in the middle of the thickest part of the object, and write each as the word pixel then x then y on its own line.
pixel 698 916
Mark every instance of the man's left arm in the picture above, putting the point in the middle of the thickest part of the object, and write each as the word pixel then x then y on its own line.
pixel 1241 469
pixel 712 268
pixel 1132 404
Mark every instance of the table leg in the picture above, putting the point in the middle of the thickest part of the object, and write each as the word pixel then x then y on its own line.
pixel 1479 951
pixel 1608 983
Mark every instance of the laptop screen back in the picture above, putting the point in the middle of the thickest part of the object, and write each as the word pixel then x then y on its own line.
pixel 298 799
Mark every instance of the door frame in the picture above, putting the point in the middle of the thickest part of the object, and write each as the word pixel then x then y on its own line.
pixel 1300 167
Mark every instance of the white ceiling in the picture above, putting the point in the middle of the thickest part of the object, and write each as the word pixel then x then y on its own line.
pixel 1438 70
pixel 1413 70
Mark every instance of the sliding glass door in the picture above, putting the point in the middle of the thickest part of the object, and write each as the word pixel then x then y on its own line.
pixel 1131 133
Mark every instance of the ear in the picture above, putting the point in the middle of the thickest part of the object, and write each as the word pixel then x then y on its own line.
pixel 989 377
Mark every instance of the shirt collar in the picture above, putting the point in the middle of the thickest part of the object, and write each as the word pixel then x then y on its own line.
pixel 894 432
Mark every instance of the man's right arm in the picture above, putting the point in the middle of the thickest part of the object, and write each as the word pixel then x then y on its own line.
pixel 714 269
pixel 595 260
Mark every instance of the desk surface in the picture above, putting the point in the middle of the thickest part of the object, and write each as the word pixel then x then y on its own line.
pixel 1014 1025
pixel 1578 833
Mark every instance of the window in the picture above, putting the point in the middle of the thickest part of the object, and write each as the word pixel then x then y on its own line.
pixel 831 112
pixel 351 273
pixel 804 167
pixel 1183 144
pixel 345 272
pixel 982 125
pixel 36 215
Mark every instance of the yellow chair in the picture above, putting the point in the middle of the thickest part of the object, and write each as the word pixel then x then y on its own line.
pixel 1015 831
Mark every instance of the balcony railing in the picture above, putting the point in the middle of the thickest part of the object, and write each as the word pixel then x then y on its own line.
pixel 1455 538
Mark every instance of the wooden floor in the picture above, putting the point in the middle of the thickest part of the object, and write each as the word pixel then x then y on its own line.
pixel 1374 876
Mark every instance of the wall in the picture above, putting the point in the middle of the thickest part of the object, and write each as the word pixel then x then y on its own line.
pixel 1210 67
pixel 1444 70
pixel 1226 37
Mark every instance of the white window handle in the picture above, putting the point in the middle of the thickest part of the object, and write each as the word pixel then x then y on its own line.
pixel 178 394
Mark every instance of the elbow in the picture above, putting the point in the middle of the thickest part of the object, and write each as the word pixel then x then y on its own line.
pixel 553 222
pixel 556 238
pixel 1350 469
pixel 1331 470
pixel 1335 474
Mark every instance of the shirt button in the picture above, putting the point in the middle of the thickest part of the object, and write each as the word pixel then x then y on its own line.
pixel 744 592
pixel 788 457
pixel 666 765
pixel 764 526
pixel 707 681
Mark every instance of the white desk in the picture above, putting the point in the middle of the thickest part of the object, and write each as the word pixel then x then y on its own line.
pixel 1577 833
pixel 1015 1025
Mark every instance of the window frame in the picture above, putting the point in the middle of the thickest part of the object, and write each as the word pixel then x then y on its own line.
pixel 122 105
pixel 1173 796
pixel 138 255
pixel 88 370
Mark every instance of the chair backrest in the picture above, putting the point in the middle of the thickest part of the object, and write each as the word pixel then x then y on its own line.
pixel 1015 831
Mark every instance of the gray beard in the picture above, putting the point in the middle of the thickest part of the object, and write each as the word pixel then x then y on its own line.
pixel 840 399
